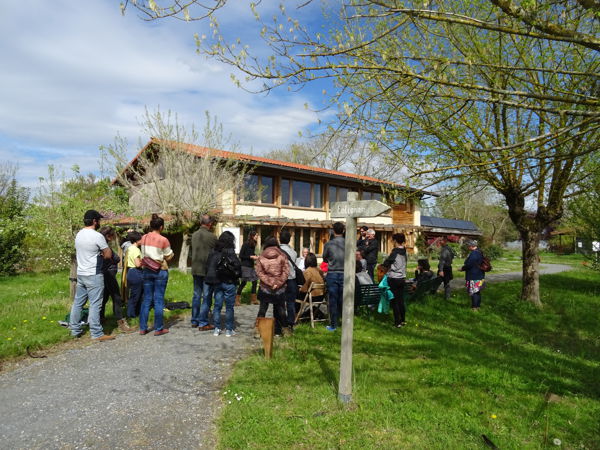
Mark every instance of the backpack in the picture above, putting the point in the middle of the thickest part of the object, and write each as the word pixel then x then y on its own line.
pixel 226 269
pixel 485 265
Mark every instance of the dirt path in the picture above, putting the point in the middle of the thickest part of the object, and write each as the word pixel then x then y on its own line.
pixel 135 391
pixel 491 277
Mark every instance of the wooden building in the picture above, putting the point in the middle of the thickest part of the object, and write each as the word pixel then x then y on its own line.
pixel 297 197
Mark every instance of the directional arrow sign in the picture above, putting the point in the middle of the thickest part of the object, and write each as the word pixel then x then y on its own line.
pixel 358 208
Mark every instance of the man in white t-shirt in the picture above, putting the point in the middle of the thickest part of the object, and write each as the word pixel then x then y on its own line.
pixel 91 249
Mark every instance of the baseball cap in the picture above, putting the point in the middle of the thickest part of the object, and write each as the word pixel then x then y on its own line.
pixel 91 214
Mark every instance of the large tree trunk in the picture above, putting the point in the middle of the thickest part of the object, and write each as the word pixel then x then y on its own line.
pixel 185 250
pixel 530 290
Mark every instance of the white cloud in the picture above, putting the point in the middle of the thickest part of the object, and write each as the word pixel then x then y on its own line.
pixel 77 73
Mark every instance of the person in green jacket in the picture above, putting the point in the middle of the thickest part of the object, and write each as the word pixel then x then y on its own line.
pixel 203 241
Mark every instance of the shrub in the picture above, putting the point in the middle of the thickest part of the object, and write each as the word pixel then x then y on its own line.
pixel 493 251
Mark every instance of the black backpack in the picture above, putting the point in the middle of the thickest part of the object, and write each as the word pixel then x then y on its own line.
pixel 226 269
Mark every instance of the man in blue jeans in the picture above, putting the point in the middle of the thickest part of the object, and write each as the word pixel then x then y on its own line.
pixel 333 255
pixel 203 241
pixel 91 248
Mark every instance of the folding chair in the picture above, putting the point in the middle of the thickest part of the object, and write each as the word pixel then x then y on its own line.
pixel 308 303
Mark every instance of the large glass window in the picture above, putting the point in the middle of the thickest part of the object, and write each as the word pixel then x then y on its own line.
pixel 301 194
pixel 342 194
pixel 366 195
pixel 257 189
pixel 250 190
pixel 285 191
pixel 317 196
pixel 332 194
pixel 266 189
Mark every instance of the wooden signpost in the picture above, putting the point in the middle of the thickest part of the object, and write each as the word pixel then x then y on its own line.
pixel 351 210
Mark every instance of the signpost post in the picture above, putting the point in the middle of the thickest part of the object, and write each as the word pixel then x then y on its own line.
pixel 351 210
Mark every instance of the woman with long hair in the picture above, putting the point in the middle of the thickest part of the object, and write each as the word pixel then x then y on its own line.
pixel 273 269
pixel 248 257
pixel 223 269
pixel 396 277
pixel 158 250
pixel 111 286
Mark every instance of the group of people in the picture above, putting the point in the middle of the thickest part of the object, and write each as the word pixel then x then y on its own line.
pixel 220 275
pixel 146 268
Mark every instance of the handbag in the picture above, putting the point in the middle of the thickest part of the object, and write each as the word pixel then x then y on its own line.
pixel 300 280
pixel 485 265
pixel 151 264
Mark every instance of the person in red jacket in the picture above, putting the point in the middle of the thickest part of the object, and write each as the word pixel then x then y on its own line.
pixel 273 269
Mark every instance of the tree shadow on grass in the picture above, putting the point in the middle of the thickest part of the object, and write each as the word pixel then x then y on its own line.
pixel 514 344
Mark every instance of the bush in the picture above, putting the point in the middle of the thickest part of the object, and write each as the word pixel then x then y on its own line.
pixel 493 251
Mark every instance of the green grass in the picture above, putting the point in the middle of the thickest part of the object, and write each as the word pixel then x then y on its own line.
pixel 447 378
pixel 31 305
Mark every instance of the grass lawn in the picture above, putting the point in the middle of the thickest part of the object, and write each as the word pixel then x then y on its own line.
pixel 520 376
pixel 31 305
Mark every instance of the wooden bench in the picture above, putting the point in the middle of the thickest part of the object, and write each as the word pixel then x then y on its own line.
pixel 423 289
pixel 368 295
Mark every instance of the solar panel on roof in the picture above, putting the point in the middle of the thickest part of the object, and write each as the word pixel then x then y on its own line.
pixel 441 222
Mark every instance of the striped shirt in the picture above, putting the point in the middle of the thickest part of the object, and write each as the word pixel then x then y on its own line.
pixel 156 246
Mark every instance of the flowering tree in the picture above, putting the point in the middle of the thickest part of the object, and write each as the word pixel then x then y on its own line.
pixel 169 177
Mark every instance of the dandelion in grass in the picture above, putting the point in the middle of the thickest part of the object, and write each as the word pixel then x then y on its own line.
pixel 25 320
pixel 494 416
pixel 556 441
pixel 9 339
pixel 43 317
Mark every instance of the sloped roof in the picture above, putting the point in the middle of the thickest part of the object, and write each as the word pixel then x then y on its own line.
pixel 266 162
pixel 454 224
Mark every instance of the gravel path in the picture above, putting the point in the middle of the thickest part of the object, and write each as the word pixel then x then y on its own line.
pixel 545 269
pixel 135 391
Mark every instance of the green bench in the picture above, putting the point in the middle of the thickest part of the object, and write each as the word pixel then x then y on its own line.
pixel 368 295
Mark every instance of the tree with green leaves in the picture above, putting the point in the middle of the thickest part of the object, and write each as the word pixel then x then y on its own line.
pixel 168 177
pixel 13 200
pixel 55 215
pixel 504 92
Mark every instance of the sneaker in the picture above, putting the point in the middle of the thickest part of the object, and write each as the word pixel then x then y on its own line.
pixel 161 332
pixel 330 328
pixel 230 333
pixel 217 332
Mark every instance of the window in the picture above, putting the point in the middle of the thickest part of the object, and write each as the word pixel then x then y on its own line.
pixel 266 190
pixel 257 189
pixel 337 194
pixel 366 195
pixel 317 196
pixel 301 193
pixel 285 191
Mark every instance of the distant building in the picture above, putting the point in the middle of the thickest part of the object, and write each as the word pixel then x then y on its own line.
pixel 297 197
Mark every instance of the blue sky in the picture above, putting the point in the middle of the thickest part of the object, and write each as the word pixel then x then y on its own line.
pixel 76 73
